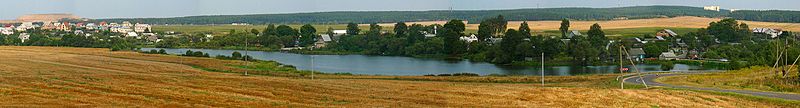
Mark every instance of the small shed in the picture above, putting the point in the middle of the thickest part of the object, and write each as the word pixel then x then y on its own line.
pixel 666 33
pixel 668 56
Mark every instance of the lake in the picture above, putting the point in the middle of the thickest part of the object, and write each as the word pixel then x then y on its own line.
pixel 409 66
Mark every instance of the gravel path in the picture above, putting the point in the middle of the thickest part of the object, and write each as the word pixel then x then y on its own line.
pixel 649 79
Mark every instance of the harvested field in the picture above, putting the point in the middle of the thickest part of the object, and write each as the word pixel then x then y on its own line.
pixel 86 77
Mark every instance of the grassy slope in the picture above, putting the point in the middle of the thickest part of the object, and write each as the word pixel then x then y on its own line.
pixel 755 78
pixel 95 77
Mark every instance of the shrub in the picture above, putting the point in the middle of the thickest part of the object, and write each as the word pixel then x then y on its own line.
pixel 162 51
pixel 666 66
pixel 236 55
pixel 465 74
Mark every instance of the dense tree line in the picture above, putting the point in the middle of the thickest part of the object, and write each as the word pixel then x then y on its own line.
pixel 770 15
pixel 61 38
pixel 468 15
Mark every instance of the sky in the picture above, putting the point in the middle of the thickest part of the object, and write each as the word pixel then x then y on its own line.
pixel 11 9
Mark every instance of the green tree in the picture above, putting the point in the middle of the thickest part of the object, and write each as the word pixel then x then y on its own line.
pixel 451 32
pixel 236 55
pixel 524 29
pixel 400 29
pixel 597 36
pixel 284 30
pixel 308 35
pixel 654 49
pixel 484 31
pixel 510 46
pixel 415 33
pixel 254 31
pixel 729 30
pixel 352 29
pixel 564 27
pixel 270 30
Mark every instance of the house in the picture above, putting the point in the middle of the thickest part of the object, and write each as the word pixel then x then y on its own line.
pixel 24 37
pixel 668 56
pixel 6 31
pixel 469 39
pixel 773 33
pixel 574 33
pixel 78 32
pixel 636 54
pixel 711 8
pixel 339 32
pixel 495 40
pixel 666 33
pixel 25 26
pixel 430 35
pixel 153 38
pixel 326 37
pixel 142 28
pixel 132 34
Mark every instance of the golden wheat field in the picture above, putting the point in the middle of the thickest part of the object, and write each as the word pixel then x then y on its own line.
pixel 674 22
pixel 89 77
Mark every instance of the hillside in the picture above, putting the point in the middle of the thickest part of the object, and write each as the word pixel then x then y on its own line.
pixel 473 16
pixel 86 77
pixel 41 18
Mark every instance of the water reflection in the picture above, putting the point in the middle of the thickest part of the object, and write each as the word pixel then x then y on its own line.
pixel 388 65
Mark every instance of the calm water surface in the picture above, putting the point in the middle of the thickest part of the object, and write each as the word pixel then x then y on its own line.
pixel 393 65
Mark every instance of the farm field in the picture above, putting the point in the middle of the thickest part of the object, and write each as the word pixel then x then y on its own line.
pixel 90 77
pixel 635 27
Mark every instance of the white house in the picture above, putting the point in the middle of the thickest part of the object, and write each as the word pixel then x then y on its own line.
pixel 774 33
pixel 132 34
pixel 25 26
pixel 574 33
pixel 141 28
pixel 668 56
pixel 711 8
pixel 339 32
pixel 469 39
pixel 6 31
pixel 24 37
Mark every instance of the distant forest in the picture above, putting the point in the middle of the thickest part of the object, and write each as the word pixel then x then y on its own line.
pixel 474 16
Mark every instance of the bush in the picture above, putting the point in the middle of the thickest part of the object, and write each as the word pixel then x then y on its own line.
pixel 465 74
pixel 236 55
pixel 666 66
pixel 162 51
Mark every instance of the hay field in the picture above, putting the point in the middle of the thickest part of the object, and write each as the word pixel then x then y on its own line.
pixel 753 78
pixel 635 27
pixel 87 77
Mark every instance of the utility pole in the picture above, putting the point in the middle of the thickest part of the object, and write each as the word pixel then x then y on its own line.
pixel 246 56
pixel 635 68
pixel 542 69
pixel 312 64
pixel 622 81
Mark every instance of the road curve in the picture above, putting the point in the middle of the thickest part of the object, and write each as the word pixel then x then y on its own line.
pixel 650 80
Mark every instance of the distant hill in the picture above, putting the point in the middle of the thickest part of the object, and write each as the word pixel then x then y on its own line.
pixel 473 16
pixel 42 18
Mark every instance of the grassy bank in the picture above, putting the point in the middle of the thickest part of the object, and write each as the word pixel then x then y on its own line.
pixel 753 78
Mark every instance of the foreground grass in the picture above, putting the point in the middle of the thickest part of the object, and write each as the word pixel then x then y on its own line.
pixel 754 78
pixel 85 77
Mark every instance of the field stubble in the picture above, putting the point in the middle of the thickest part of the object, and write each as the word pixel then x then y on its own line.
pixel 85 77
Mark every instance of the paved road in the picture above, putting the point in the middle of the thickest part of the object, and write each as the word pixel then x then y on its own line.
pixel 649 79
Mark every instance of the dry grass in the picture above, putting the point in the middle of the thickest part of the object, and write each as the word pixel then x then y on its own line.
pixel 84 77
pixel 754 78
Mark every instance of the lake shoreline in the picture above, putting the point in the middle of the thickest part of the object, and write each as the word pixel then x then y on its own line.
pixel 412 66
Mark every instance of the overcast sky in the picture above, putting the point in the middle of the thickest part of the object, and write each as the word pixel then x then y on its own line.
pixel 174 8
